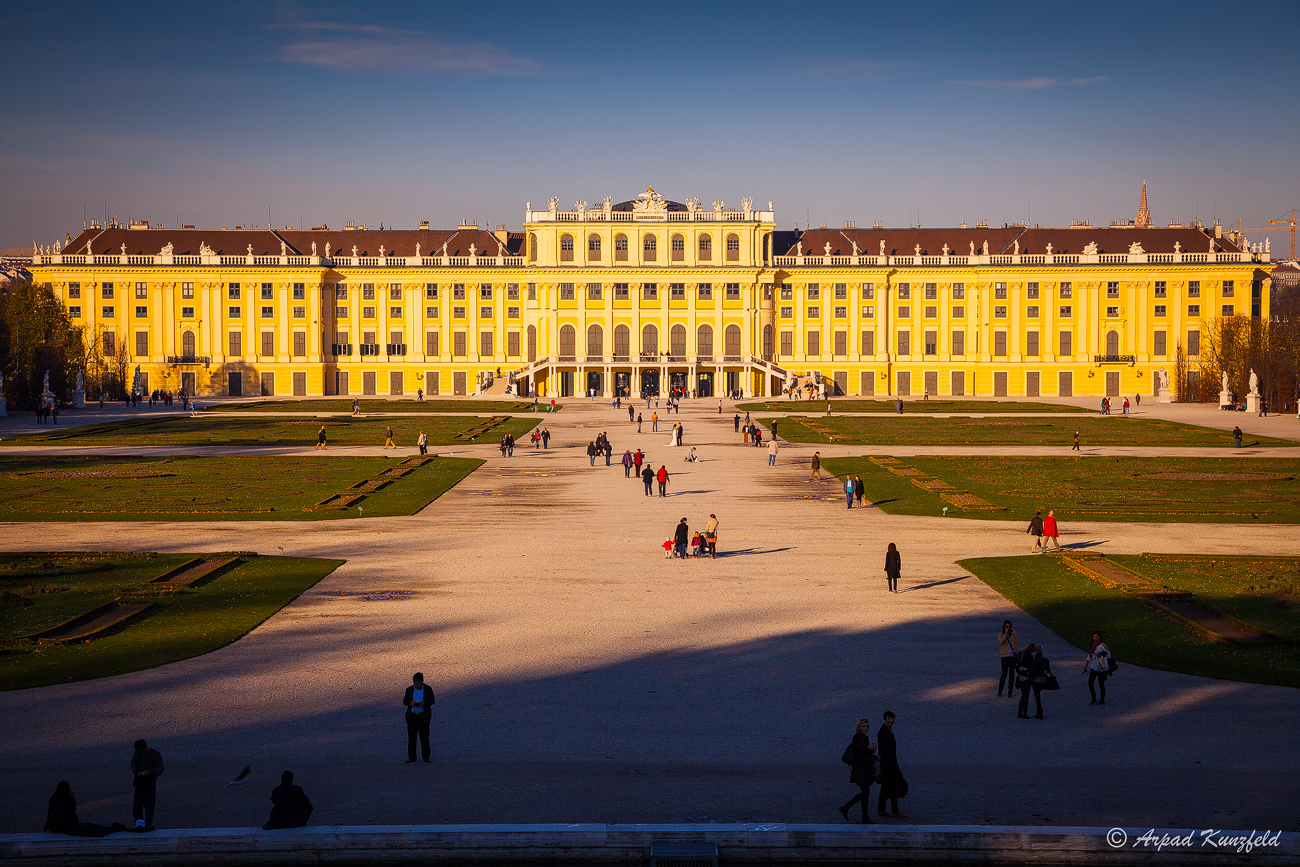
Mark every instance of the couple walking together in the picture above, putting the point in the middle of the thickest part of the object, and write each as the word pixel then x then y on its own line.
pixel 877 763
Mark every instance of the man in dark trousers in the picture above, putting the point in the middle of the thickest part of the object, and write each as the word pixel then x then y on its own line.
pixel 682 538
pixel 418 701
pixel 736 422
pixel 648 476
pixel 662 475
pixel 892 784
pixel 146 768
pixel 1236 435
pixel 290 806
pixel 1034 669
pixel 1036 530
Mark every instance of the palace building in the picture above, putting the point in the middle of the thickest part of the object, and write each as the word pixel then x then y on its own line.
pixel 650 294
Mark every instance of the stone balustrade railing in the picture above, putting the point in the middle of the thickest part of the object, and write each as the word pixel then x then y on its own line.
pixel 603 216
pixel 162 260
pixel 1182 258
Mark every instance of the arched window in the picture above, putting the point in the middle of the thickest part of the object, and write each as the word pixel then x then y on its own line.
pixel 622 341
pixel 593 248
pixel 704 340
pixel 733 340
pixel 595 341
pixel 568 342
pixel 678 245
pixel 649 248
pixel 532 342
pixel 620 248
pixel 677 341
pixel 733 248
pixel 706 247
pixel 532 247
pixel 566 247
pixel 767 248
pixel 187 344
pixel 650 341
pixel 767 343
pixel 1112 343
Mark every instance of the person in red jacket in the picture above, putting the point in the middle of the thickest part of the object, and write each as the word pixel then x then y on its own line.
pixel 1050 531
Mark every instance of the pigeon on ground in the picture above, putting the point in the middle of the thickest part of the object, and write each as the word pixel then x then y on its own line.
pixel 241 778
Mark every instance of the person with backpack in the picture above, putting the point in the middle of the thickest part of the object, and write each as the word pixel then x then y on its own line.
pixel 860 756
pixel 1099 666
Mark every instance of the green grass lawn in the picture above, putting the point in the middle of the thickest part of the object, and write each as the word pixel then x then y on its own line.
pixel 1073 605
pixel 405 404
pixel 920 430
pixel 1213 490
pixel 280 431
pixel 236 488
pixel 910 405
pixel 185 624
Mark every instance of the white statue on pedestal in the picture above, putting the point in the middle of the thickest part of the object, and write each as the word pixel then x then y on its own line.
pixel 1225 380
pixel 45 383
pixel 81 381
pixel 1162 377
pixel 1254 382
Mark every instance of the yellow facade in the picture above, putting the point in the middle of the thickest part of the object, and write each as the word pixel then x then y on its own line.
pixel 650 294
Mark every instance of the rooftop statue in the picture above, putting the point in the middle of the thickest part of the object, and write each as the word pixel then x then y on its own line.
pixel 719 206
pixel 1091 249
pixel 167 250
pixel 986 248
pixel 313 248
pixel 327 249
pixel 284 248
pixel 1049 248
pixel 747 204
pixel 354 251
pixel 1016 251
pixel 1135 249
pixel 250 249
pixel 204 249
pixel 972 248
pixel 882 246
pixel 472 251
pixel 1178 248
pixel 918 249
pixel 417 251
pixel 945 248
pixel 827 248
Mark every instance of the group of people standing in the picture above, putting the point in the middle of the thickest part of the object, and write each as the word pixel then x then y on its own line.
pixel 1027 669
pixel 704 544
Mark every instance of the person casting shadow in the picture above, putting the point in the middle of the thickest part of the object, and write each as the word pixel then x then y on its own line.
pixel 61 818
pixel 860 757
pixel 290 806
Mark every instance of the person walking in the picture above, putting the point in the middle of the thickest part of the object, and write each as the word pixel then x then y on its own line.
pixel 1098 667
pixel 893 567
pixel 892 783
pixel 423 442
pixel 591 452
pixel 1008 644
pixel 681 538
pixel 627 464
pixel 654 422
pixel 320 437
pixel 290 806
pixel 146 768
pixel 898 405
pixel 631 412
pixel 850 492
pixel 711 536
pixel 356 406
pixel 1034 668
pixel 773 428
pixel 637 459
pixel 859 755
pixel 388 438
pixel 648 476
pixel 609 451
pixel 662 476
pixel 417 701
pixel 1126 406
pixel 638 422
pixel 816 464
pixel 735 421
pixel 546 438
pixel 772 448
pixel 1051 531
pixel 859 490
pixel 1036 530
pixel 1236 435
pixel 744 433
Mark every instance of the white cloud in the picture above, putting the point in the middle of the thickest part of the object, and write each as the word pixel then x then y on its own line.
pixel 1029 83
pixel 357 47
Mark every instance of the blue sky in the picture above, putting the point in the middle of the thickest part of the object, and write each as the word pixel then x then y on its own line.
pixel 399 112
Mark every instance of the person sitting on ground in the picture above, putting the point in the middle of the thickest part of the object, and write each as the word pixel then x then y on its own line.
pixel 692 456
pixel 290 806
pixel 61 818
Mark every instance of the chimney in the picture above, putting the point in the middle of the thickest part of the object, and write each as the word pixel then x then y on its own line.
pixel 424 225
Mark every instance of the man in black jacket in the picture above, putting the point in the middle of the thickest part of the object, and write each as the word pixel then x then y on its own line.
pixel 418 701
pixel 682 538
pixel 892 784
pixel 1034 669
pixel 290 806
pixel 1036 530
pixel 146 768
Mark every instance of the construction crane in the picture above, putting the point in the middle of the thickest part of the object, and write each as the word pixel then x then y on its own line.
pixel 1283 222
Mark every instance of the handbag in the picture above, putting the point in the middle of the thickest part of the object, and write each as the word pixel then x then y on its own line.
pixel 1111 665
pixel 850 756
pixel 1051 682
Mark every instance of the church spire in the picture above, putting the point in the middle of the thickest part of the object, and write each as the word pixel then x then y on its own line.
pixel 1143 220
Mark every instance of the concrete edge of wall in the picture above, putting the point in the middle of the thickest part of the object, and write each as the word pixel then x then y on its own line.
pixel 776 843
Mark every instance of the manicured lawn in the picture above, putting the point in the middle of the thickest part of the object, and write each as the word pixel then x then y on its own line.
pixel 404 404
pixel 910 405
pixel 919 430
pixel 182 624
pixel 1214 490
pixel 1073 605
pixel 236 488
pixel 281 431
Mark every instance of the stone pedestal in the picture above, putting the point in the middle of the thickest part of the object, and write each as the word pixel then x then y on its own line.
pixel 1252 403
pixel 79 398
pixel 47 397
pixel 1165 396
pixel 1225 399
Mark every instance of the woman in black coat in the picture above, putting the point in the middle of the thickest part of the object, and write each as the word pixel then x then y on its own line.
pixel 892 784
pixel 893 567
pixel 862 752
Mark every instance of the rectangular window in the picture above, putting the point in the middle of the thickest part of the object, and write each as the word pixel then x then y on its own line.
pixel 959 343
pixel 236 343
pixel 868 311
pixel 187 290
pixel 532 291
pixel 512 344
pixel 931 342
pixel 105 290
pixel 142 343
pixel 959 291
pixel 1031 343
pixel 733 291
pixel 959 313
pixel 187 312
pixel 1031 312
pixel 512 313
pixel 300 313
pixel 512 293
pixel 1161 289
pixel 1193 343
pixel 1112 312
pixel 430 291
pixel 1158 345
pixel 814 291
pixel 485 313
pixel 931 291
pixel 566 292
pixel 620 292
pixel 232 292
pixel 394 291
pixel 367 291
pixel 431 313
pixel 999 290
pixel 107 312
pixel 787 343
pixel 458 291
pixel 143 312
pixel 787 292
pixel 787 312
pixel 1193 310
pixel 814 312
pixel 841 291
pixel 75 312
pixel 1193 288
pixel 431 343
pixel 841 313
pixel 458 313
pixel 458 344
pixel 268 292
pixel 1228 288
pixel 74 290
pixel 1112 289
pixel 867 344
pixel 393 312
pixel 650 291
pixel 485 347
pixel 1066 311
pixel 904 312
pixel 1227 310
pixel 704 291
pixel 1066 341
pixel 999 343
pixel 268 343
pixel 235 312
pixel 110 344
pixel 1066 290
pixel 300 343
pixel 269 312
pixel 999 312
pixel 677 291
pixel 369 312
pixel 594 292
pixel 814 344
pixel 142 291
pixel 299 291
pixel 931 311
pixel 868 291
pixel 904 343
pixel 484 292
pixel 841 343
pixel 1161 310
pixel 1031 290
pixel 904 291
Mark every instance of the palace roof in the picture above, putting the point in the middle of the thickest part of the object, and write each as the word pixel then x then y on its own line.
pixel 904 242
pixel 298 242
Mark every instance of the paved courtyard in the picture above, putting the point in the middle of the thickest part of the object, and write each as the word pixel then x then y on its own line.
pixel 582 677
